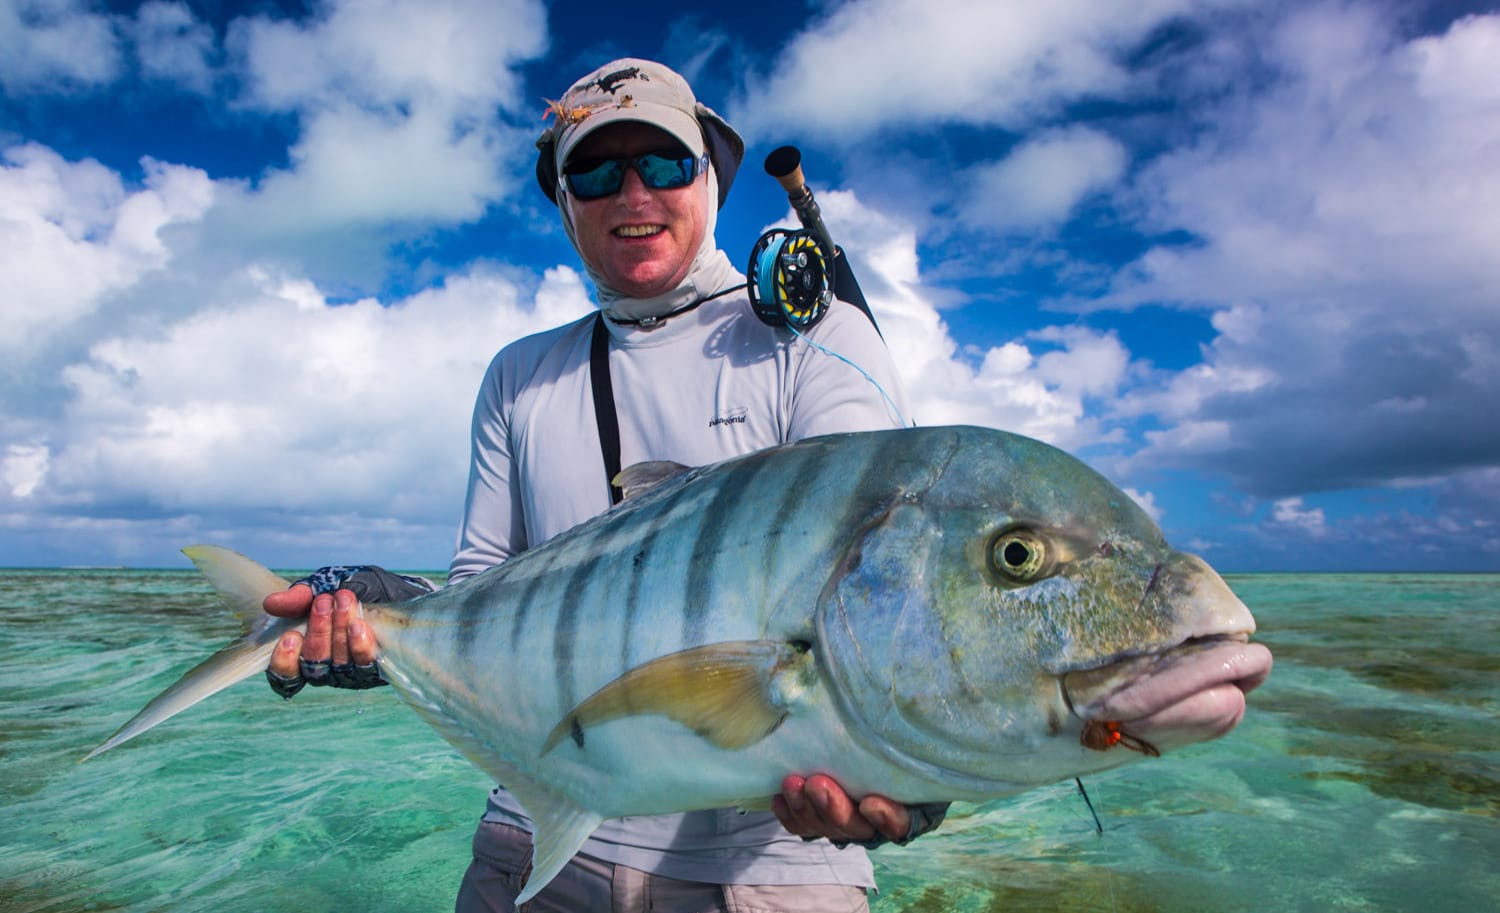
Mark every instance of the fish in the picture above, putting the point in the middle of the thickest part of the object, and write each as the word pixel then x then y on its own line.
pixel 929 614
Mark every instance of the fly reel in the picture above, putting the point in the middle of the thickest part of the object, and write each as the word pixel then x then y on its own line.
pixel 790 279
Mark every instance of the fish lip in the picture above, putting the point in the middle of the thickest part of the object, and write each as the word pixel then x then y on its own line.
pixel 1143 684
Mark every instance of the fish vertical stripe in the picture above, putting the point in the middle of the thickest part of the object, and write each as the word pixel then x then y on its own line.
pixel 723 513
pixel 528 597
pixel 637 574
pixel 793 500
pixel 582 588
pixel 566 629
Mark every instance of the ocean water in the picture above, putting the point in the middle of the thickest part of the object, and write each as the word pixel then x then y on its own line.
pixel 1365 777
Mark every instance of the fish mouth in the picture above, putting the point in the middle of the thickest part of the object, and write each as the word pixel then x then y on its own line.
pixel 1189 693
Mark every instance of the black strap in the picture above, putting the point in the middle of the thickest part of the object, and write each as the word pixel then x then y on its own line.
pixel 605 417
pixel 604 406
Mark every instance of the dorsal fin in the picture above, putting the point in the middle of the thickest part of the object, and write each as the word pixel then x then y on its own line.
pixel 638 478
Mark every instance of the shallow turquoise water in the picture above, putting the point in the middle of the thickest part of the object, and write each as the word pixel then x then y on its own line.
pixel 1366 776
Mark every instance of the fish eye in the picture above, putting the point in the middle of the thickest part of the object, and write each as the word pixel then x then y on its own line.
pixel 1019 556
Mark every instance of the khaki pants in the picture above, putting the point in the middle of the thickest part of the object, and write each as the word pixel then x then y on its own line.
pixel 502 860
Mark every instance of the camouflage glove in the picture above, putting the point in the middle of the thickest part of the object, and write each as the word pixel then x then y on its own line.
pixel 369 584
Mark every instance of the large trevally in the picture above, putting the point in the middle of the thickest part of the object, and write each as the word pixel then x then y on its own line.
pixel 929 614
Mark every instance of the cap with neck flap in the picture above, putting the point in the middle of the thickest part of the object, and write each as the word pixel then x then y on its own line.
pixel 630 89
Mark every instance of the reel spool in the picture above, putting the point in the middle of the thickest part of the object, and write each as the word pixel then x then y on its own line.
pixel 790 279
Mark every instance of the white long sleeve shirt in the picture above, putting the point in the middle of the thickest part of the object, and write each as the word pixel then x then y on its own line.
pixel 704 386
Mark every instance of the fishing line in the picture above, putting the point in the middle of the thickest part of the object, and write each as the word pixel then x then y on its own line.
pixel 866 374
pixel 1098 825
pixel 1114 903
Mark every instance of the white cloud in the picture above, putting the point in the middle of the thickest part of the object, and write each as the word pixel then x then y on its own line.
pixel 72 233
pixel 1038 390
pixel 355 168
pixel 52 45
pixel 870 64
pixel 1147 502
pixel 172 45
pixel 458 54
pixel 23 468
pixel 276 403
pixel 1042 180
pixel 397 105
pixel 1292 512
pixel 1345 219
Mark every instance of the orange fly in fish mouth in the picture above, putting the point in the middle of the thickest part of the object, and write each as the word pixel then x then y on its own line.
pixel 1191 693
pixel 1102 735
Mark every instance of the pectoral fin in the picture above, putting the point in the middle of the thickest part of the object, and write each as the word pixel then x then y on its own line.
pixel 733 694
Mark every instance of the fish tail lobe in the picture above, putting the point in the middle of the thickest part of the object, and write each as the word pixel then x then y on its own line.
pixel 242 584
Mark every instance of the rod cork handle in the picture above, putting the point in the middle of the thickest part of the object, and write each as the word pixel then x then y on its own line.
pixel 785 165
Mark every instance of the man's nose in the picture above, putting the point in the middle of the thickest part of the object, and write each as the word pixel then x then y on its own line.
pixel 633 190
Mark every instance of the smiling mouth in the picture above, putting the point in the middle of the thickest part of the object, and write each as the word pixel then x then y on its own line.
pixel 638 231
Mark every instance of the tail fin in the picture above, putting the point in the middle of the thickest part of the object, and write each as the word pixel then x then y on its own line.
pixel 242 584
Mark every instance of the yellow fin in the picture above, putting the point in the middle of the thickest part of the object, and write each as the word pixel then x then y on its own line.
pixel 734 694
pixel 239 581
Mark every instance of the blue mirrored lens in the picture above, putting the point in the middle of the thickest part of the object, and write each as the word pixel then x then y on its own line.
pixel 658 172
pixel 600 181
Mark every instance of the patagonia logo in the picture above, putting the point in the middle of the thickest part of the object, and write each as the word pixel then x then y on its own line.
pixel 735 417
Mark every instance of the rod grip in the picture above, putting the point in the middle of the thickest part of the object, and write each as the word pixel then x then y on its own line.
pixel 785 165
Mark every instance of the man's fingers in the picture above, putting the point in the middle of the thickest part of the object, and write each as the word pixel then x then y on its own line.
pixel 793 809
pixel 344 604
pixel 819 807
pixel 289 603
pixel 836 810
pixel 888 817
pixel 317 646
pixel 362 646
pixel 284 657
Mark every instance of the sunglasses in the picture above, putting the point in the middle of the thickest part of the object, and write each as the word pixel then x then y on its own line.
pixel 596 178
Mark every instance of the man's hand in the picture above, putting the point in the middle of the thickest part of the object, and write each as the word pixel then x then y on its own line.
pixel 335 633
pixel 339 648
pixel 816 806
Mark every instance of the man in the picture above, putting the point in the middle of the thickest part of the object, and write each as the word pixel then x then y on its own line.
pixel 638 169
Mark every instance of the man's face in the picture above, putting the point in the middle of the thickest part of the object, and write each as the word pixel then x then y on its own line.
pixel 641 241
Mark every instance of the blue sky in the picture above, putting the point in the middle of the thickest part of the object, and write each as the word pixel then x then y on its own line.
pixel 1240 255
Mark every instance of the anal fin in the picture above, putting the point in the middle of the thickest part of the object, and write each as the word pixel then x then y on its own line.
pixel 561 829
pixel 733 694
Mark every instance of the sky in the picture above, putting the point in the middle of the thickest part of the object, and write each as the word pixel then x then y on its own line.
pixel 1242 256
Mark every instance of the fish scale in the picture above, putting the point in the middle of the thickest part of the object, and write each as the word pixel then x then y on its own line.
pixel 839 605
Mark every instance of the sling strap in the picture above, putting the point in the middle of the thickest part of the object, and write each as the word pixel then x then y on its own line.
pixel 605 417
